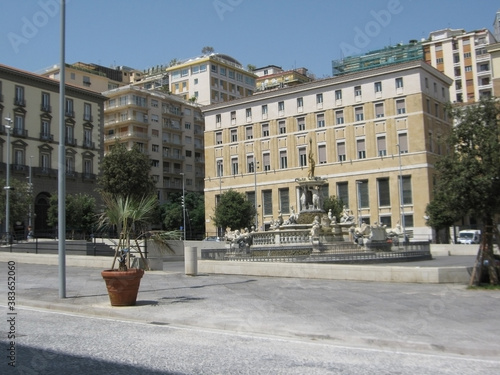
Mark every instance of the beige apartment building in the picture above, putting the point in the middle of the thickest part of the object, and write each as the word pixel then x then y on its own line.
pixel 29 104
pixel 212 78
pixel 375 136
pixel 462 56
pixel 166 127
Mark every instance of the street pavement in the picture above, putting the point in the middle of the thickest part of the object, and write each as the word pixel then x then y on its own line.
pixel 446 322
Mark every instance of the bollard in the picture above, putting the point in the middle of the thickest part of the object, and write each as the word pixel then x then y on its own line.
pixel 191 261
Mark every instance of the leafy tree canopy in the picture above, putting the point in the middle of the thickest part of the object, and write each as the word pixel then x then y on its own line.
pixel 126 173
pixel 335 204
pixel 171 213
pixel 469 175
pixel 19 198
pixel 207 50
pixel 234 211
pixel 80 212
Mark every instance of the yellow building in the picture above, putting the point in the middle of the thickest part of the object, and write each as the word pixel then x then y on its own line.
pixel 494 51
pixel 272 77
pixel 166 127
pixel 365 130
pixel 29 103
pixel 212 78
pixel 462 56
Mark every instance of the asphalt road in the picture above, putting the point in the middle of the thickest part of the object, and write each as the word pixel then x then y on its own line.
pixel 61 343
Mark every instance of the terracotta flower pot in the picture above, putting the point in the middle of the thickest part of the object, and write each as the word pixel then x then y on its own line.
pixel 123 285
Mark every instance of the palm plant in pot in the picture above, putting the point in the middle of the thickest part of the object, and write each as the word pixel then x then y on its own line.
pixel 129 214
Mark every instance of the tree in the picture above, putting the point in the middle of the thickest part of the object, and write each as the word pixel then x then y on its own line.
pixel 171 213
pixel 207 50
pixel 335 204
pixel 126 172
pixel 20 197
pixel 80 213
pixel 234 211
pixel 441 215
pixel 251 67
pixel 469 175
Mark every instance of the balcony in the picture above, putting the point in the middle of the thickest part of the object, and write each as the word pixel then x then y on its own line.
pixel 21 102
pixel 88 144
pixel 71 141
pixel 19 132
pixel 88 176
pixel 45 137
pixel 87 117
pixel 45 108
pixel 69 113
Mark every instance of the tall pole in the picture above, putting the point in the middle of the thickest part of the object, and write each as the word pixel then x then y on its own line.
pixel 61 220
pixel 183 210
pixel 401 199
pixel 358 200
pixel 7 183
pixel 219 171
pixel 255 193
pixel 30 184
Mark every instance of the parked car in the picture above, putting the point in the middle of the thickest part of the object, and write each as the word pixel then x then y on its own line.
pixel 212 238
pixel 469 237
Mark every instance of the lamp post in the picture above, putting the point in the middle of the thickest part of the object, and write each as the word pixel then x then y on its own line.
pixel 255 164
pixel 183 210
pixel 30 184
pixel 401 199
pixel 219 172
pixel 7 182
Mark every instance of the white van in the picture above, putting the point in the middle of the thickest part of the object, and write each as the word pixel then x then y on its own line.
pixel 469 236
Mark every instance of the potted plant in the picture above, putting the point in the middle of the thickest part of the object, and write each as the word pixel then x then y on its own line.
pixel 128 214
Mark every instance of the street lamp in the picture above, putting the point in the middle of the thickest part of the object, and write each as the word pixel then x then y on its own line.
pixel 219 172
pixel 30 184
pixel 255 164
pixel 401 199
pixel 183 210
pixel 7 181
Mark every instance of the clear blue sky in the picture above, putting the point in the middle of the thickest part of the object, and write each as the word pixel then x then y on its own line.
pixel 287 33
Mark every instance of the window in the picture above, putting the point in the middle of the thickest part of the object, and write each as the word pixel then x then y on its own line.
pixel 267 197
pixel 45 102
pixel 282 127
pixel 266 160
pixel 385 221
pixel 407 194
pixel 18 125
pixel 439 60
pixel 467 55
pixel 249 132
pixel 45 130
pixel 399 83
pixel 283 160
pixel 381 146
pixel 284 200
pixel 19 98
pixel 281 107
pixel 400 106
pixel 360 146
pixel 222 71
pixel 250 164
pixel 468 68
pixel 87 112
pixel 234 166
pixel 363 198
pixel 339 117
pixel 300 103
pixel 379 110
pixel 436 109
pixel 265 130
pixel 319 98
pixel 378 87
pixel 217 118
pixel 302 157
pixel 220 168
pixel 155 163
pixel 384 197
pixel 338 94
pixel 343 193
pixel 264 110
pixel 218 138
pixel 341 151
pixel 234 135
pixel 214 68
pixel 87 138
pixel 69 108
pixel 358 114
pixel 301 123
pixel 321 154
pixel 233 117
pixel 320 120
pixel 249 114
pixel 357 90
pixel 403 143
